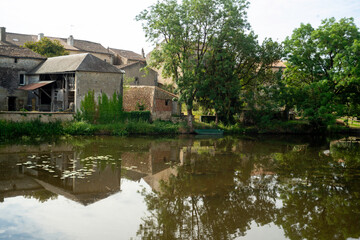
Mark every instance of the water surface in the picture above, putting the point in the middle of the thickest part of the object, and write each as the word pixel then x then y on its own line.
pixel 181 188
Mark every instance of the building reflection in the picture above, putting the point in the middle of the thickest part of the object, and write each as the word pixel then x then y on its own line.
pixel 80 173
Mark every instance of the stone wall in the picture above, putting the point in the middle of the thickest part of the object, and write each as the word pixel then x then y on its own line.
pixel 30 116
pixel 107 83
pixel 10 71
pixel 24 64
pixel 144 78
pixel 20 101
pixel 159 102
pixel 135 96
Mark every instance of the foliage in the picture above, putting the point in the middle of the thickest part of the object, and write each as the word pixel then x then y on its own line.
pixel 140 106
pixel 88 107
pixel 106 111
pixel 79 128
pixel 47 47
pixel 36 128
pixel 183 32
pixel 42 195
pixel 322 75
pixel 137 116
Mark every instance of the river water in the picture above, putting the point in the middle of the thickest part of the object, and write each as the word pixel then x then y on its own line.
pixel 273 187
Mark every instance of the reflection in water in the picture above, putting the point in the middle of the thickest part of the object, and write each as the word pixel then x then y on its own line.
pixel 199 188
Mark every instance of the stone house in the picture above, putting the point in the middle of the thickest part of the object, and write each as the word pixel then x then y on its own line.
pixel 162 104
pixel 162 81
pixel 61 83
pixel 72 45
pixel 133 64
pixel 15 62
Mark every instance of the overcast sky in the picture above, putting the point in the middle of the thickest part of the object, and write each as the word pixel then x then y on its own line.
pixel 112 22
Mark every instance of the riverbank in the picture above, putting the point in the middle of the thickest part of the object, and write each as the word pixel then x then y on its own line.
pixel 37 129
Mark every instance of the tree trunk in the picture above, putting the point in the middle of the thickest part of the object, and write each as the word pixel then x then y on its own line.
pixel 216 119
pixel 190 120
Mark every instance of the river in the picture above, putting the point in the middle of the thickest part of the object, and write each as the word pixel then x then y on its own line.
pixel 256 187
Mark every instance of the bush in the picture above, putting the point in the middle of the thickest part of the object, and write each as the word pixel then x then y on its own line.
pixel 11 130
pixel 79 128
pixel 137 116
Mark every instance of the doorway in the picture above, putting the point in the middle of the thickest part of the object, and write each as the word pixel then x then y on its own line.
pixel 11 103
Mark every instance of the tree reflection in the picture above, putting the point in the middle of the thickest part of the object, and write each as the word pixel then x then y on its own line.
pixel 209 198
pixel 42 195
pixel 320 194
pixel 218 194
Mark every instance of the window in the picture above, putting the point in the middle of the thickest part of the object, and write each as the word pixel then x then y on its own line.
pixel 15 60
pixel 167 102
pixel 22 79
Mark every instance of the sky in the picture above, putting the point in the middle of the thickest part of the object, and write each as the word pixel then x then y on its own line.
pixel 112 22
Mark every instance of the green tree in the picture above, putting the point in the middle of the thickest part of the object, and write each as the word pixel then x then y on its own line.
pixel 323 70
pixel 47 47
pixel 183 33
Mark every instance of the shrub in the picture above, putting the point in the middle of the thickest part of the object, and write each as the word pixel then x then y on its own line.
pixel 79 128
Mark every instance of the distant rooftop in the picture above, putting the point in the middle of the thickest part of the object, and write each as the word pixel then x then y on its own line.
pixel 18 52
pixel 128 54
pixel 17 39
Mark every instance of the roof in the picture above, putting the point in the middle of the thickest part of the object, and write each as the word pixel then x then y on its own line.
pixel 279 64
pixel 18 52
pixel 84 62
pixel 34 86
pixel 127 65
pixel 154 89
pixel 128 54
pixel 18 39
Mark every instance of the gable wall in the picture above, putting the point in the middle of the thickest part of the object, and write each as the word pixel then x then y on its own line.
pixel 99 82
pixel 144 78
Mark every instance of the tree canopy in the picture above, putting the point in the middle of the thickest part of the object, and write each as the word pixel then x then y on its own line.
pixel 323 70
pixel 209 50
pixel 47 48
pixel 184 33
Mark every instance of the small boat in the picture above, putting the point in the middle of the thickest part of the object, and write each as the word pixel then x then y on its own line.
pixel 209 131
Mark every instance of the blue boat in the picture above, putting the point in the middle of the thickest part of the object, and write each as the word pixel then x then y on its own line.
pixel 209 131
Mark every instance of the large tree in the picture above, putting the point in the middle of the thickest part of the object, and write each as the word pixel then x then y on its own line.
pixel 47 48
pixel 183 33
pixel 323 70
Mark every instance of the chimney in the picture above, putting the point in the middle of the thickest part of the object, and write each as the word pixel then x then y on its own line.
pixel 70 40
pixel 40 36
pixel 143 52
pixel 2 34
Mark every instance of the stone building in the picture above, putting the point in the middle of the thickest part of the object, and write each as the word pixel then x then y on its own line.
pixel 162 104
pixel 15 62
pixel 133 64
pixel 62 82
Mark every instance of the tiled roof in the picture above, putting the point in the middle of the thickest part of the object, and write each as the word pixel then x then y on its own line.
pixel 79 45
pixel 18 52
pixel 279 64
pixel 126 65
pixel 78 62
pixel 128 54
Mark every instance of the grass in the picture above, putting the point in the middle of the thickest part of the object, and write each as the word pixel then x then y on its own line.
pixel 37 129
pixel 351 122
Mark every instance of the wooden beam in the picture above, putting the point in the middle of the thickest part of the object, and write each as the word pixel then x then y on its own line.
pixel 45 93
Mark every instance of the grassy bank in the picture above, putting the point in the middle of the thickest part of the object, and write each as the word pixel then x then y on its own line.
pixel 276 127
pixel 37 129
